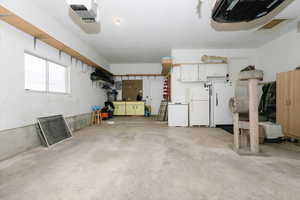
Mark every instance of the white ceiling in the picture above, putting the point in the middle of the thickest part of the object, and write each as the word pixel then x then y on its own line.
pixel 151 28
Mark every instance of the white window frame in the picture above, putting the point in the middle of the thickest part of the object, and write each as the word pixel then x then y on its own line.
pixel 67 76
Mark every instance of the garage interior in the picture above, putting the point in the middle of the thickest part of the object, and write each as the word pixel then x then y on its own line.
pixel 149 99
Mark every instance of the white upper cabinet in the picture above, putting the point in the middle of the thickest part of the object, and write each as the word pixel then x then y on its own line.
pixel 201 72
pixel 216 70
pixel 193 73
pixel 189 73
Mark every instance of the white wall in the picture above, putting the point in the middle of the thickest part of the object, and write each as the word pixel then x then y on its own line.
pixel 152 86
pixel 238 59
pixel 280 55
pixel 19 107
pixel 31 13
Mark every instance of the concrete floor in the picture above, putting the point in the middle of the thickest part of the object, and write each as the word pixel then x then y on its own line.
pixel 138 159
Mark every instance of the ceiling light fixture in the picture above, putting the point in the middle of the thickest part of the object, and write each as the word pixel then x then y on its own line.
pixel 117 21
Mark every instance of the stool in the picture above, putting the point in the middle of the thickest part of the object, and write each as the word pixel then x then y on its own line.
pixel 96 116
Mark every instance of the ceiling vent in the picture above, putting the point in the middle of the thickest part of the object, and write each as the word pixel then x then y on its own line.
pixel 272 24
pixel 87 10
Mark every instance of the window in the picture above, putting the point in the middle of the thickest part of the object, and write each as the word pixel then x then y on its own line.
pixel 57 78
pixel 35 73
pixel 44 75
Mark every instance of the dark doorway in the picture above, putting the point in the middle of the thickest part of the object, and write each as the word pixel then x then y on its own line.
pixel 131 88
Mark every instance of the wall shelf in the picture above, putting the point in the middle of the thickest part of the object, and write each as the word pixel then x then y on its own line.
pixel 132 75
pixel 166 67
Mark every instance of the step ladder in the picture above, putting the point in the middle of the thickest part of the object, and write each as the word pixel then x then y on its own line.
pixel 163 111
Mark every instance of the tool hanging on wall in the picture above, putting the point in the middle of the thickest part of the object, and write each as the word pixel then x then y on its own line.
pixel 166 89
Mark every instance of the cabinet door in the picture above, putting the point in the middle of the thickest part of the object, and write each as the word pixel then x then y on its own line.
pixel 216 70
pixel 178 115
pixel 130 108
pixel 140 109
pixel 121 109
pixel 189 73
pixel 202 76
pixel 294 110
pixel 199 113
pixel 283 100
pixel 117 109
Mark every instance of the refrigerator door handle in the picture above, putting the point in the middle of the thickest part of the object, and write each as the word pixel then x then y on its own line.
pixel 217 100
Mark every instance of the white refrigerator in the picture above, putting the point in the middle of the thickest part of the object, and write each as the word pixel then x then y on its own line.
pixel 221 93
pixel 199 106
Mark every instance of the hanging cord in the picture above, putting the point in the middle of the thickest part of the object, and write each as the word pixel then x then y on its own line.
pixel 34 43
pixel 71 60
pixel 76 62
pixel 59 54
pixel 199 8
